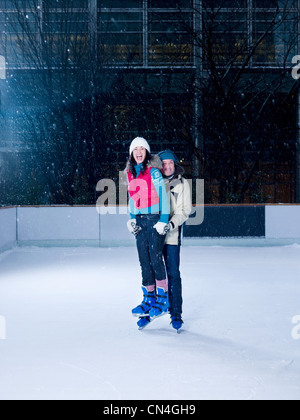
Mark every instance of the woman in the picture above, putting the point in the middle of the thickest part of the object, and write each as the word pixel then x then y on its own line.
pixel 149 218
pixel 180 209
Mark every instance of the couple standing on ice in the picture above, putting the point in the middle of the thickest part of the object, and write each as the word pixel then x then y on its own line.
pixel 160 203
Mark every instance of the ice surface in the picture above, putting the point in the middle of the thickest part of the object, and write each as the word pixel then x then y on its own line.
pixel 70 334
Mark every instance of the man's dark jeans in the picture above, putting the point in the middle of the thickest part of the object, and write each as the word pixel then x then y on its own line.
pixel 172 260
pixel 150 249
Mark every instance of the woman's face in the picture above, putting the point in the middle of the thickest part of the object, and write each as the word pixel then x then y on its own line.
pixel 139 154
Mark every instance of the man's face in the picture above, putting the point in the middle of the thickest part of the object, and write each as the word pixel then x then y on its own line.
pixel 168 167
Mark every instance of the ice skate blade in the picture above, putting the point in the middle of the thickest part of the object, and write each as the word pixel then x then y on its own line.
pixel 140 315
pixel 158 316
pixel 145 326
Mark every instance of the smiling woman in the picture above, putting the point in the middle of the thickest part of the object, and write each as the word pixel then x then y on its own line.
pixel 149 222
pixel 139 154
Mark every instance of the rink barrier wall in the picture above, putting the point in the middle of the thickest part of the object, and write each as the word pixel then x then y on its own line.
pixel 83 226
pixel 230 222
pixel 8 228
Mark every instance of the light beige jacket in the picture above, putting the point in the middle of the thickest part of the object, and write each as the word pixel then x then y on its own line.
pixel 179 193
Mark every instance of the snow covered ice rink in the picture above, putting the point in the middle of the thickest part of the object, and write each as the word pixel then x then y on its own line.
pixel 70 333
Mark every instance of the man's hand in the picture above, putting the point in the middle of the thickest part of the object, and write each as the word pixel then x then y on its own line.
pixel 162 228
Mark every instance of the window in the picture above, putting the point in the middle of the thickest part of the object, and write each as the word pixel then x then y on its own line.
pixel 121 36
pixel 18 31
pixel 151 33
pixel 171 4
pixel 278 31
pixel 120 4
pixel 225 26
pixel 66 31
pixel 170 36
pixel 148 33
pixel 233 28
pixel 52 30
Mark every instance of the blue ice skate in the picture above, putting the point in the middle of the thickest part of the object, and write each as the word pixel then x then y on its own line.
pixel 143 309
pixel 161 306
pixel 177 323
pixel 143 322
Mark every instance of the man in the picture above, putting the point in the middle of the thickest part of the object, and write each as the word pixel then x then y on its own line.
pixel 180 209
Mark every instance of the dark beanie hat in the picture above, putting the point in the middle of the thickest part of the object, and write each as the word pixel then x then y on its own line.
pixel 168 155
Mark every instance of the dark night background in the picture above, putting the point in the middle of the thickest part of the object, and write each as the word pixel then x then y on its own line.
pixel 209 79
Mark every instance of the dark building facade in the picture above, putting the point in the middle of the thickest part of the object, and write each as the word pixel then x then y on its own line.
pixel 209 79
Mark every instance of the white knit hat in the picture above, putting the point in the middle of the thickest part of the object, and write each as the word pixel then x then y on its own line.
pixel 139 142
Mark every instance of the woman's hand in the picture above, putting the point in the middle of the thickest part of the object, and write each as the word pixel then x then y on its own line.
pixel 133 227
